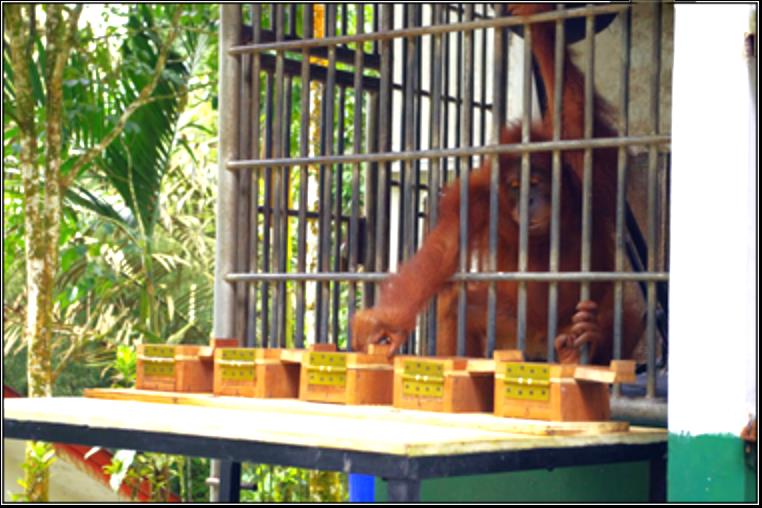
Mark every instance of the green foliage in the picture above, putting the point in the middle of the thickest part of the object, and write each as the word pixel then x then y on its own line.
pixel 116 285
pixel 134 468
pixel 39 457
pixel 289 484
pixel 125 365
pixel 137 161
pixel 137 232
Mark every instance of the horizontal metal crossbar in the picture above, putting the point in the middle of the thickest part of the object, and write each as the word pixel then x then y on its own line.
pixel 498 22
pixel 467 276
pixel 515 148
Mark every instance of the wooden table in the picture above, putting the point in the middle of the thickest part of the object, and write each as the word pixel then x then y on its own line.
pixel 401 446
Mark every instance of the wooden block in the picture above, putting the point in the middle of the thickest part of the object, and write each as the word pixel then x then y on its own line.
pixel 451 385
pixel 156 367
pixel 620 371
pixel 480 366
pixel 508 355
pixel 192 372
pixel 625 371
pixel 275 378
pixel 217 343
pixel 594 374
pixel 292 355
pixel 345 378
pixel 255 372
pixel 549 392
pixel 322 347
pixel 379 349
pixel 206 353
pixel 235 371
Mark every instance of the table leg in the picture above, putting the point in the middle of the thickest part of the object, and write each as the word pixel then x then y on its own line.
pixel 657 491
pixel 404 490
pixel 230 481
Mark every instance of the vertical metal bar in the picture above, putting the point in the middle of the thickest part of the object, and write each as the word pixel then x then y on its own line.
pixel 483 76
pixel 587 178
pixel 403 166
pixel 621 203
pixel 555 197
pixel 243 202
pixel 283 255
pixel 521 332
pixel 657 478
pixel 354 240
pixel 382 232
pixel 459 94
pixel 371 195
pixel 418 17
pixel 278 182
pixel 466 140
pixel 506 82
pixel 409 208
pixel 230 482
pixel 292 20
pixel 652 202
pixel 268 209
pixel 256 16
pixel 304 134
pixel 325 205
pixel 375 27
pixel 409 138
pixel 339 206
pixel 435 143
pixel 445 136
pixel 403 490
pixel 497 65
pixel 344 27
pixel 371 201
pixel 230 78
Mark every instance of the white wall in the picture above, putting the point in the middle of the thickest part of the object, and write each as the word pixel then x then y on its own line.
pixel 713 225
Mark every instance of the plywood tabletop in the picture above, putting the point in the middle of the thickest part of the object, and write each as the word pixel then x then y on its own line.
pixel 377 429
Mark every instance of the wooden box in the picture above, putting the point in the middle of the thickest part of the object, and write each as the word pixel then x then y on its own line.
pixel 256 372
pixel 178 368
pixel 156 367
pixel 450 385
pixel 556 392
pixel 346 378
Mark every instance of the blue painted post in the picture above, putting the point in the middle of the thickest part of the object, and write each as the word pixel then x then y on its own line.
pixel 361 488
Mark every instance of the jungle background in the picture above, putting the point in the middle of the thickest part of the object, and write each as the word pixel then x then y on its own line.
pixel 109 188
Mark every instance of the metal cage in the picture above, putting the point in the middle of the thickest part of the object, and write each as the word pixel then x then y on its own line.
pixel 341 123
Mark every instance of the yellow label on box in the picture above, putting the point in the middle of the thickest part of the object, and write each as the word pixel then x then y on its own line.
pixel 423 379
pixel 326 368
pixel 527 381
pixel 237 364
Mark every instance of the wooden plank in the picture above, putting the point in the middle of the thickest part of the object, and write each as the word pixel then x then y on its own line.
pixel 480 366
pixel 620 371
pixel 625 371
pixel 482 421
pixel 594 374
pixel 508 355
pixel 380 435
pixel 291 355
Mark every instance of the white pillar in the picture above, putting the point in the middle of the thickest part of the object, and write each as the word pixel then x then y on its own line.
pixel 712 328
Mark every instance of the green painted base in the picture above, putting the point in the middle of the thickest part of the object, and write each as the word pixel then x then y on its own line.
pixel 627 482
pixel 709 468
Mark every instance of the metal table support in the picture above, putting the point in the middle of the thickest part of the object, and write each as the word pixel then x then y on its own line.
pixel 402 473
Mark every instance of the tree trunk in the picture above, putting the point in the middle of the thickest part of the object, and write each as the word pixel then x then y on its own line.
pixel 42 202
pixel 44 187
